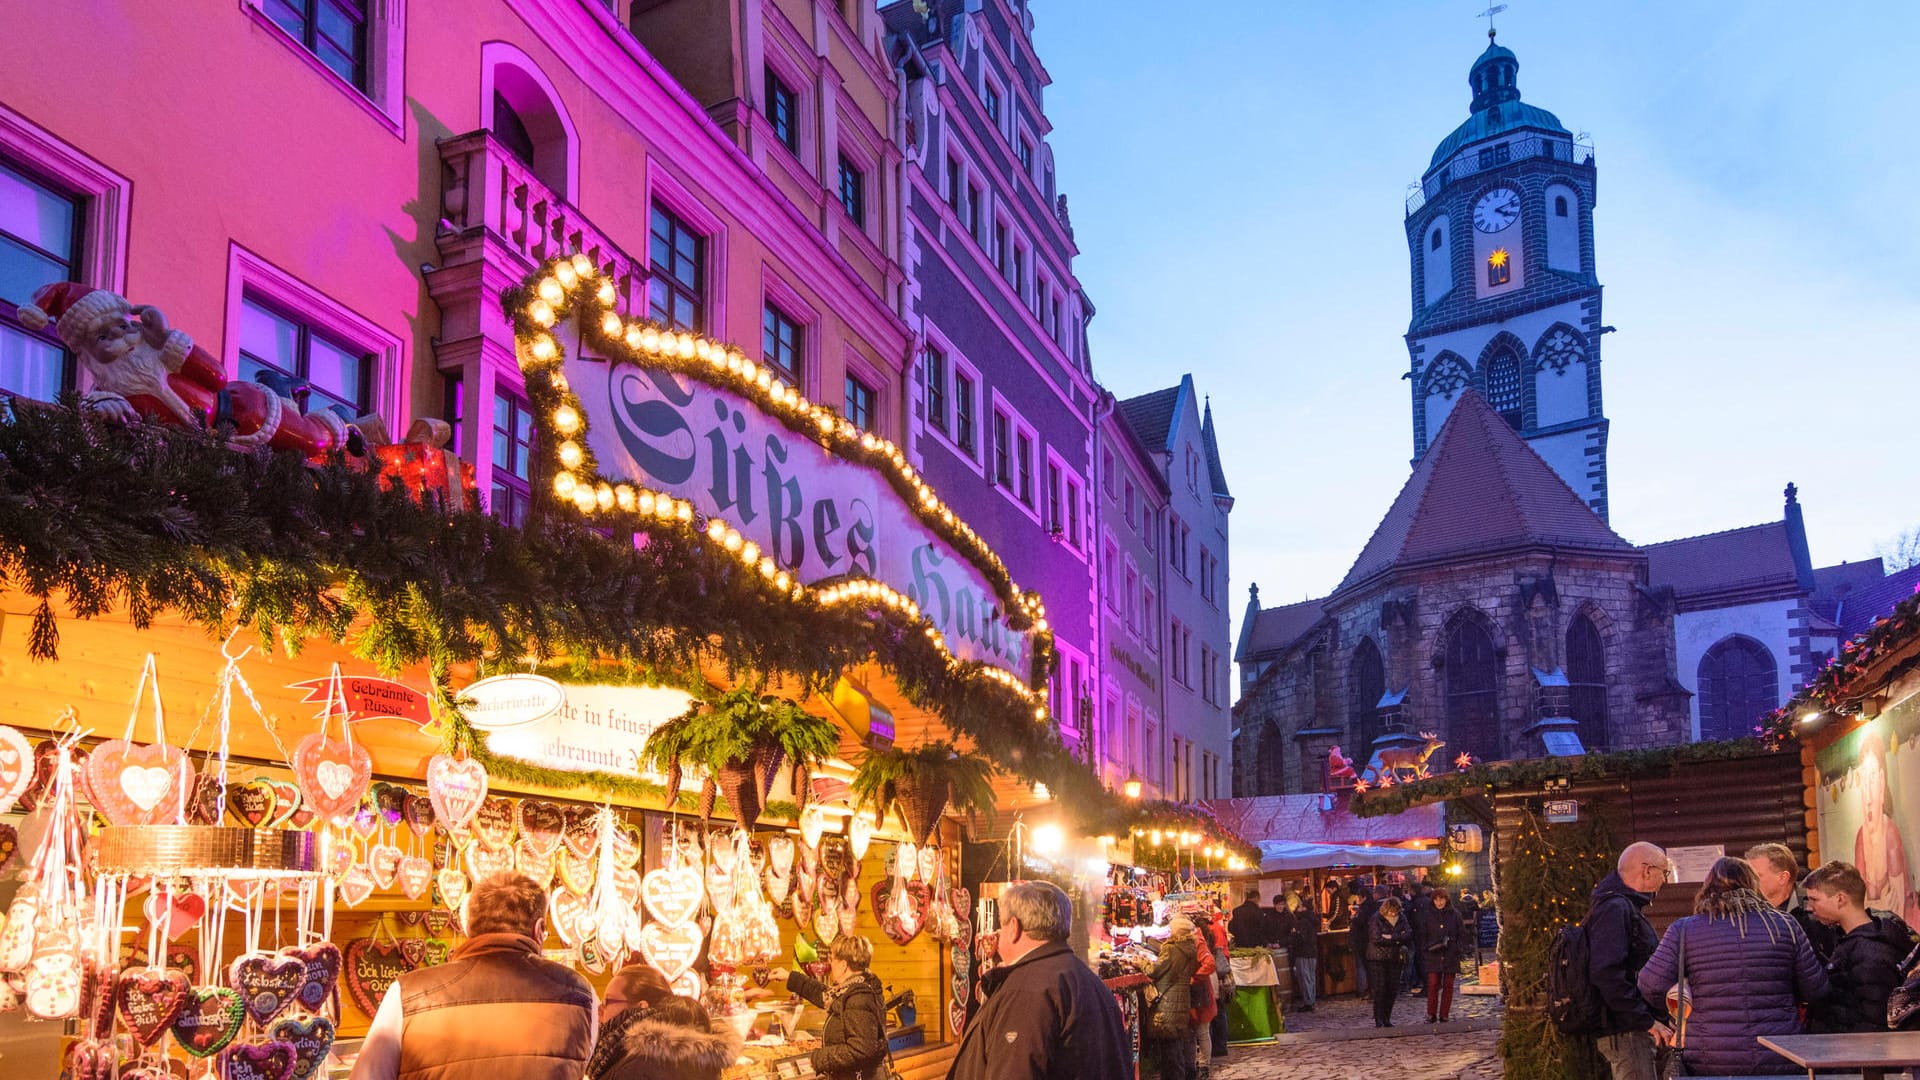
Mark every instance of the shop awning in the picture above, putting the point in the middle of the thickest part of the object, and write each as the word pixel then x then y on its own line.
pixel 1279 855
pixel 1324 819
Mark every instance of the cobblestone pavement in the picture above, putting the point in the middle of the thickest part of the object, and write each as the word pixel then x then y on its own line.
pixel 1337 1041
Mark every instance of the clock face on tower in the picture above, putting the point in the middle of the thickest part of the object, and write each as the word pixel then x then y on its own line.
pixel 1496 210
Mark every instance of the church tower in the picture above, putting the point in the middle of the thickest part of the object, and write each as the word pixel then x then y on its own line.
pixel 1505 298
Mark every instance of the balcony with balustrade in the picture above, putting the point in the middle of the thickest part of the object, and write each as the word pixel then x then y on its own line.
pixel 1575 151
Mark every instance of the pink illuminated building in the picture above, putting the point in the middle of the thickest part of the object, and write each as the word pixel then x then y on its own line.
pixel 340 189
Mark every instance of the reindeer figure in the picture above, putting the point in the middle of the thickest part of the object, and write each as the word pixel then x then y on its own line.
pixel 1410 757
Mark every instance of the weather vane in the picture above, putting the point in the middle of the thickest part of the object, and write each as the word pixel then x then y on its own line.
pixel 1489 14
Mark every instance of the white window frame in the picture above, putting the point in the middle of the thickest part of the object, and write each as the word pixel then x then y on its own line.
pixel 248 274
pixel 1017 426
pixel 384 99
pixel 1070 478
pixel 105 196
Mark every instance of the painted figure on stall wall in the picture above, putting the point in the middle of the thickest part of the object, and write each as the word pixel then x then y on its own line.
pixel 1868 796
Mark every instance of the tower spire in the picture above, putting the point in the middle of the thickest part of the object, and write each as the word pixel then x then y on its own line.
pixel 1488 15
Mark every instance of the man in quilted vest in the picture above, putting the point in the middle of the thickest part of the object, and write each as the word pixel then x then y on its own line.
pixel 497 1010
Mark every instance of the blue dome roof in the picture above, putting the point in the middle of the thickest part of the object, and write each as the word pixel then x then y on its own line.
pixel 1497 108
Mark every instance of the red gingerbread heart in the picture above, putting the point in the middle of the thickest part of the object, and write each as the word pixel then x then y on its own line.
pixel 332 774
pixel 139 785
pixel 150 1001
pixel 273 1060
pixel 456 787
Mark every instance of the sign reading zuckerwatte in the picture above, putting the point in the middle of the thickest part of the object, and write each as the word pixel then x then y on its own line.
pixel 572 728
pixel 816 514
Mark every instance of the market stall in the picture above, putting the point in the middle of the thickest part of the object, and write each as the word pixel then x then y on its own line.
pixel 708 745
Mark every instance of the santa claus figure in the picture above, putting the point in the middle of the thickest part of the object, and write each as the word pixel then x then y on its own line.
pixel 143 369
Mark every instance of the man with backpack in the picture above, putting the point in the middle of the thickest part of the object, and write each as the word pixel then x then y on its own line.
pixel 1594 970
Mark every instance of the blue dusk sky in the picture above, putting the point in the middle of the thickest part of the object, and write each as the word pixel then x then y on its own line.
pixel 1237 174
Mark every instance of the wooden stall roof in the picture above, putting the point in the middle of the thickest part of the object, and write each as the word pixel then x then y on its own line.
pixel 1735 802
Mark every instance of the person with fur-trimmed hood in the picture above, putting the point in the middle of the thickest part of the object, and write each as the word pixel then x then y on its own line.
pixel 673 1040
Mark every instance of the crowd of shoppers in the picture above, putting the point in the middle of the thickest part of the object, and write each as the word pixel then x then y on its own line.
pixel 1749 962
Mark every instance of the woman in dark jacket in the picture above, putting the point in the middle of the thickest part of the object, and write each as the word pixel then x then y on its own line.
pixel 672 1040
pixel 1442 935
pixel 1171 1024
pixel 1387 938
pixel 1748 968
pixel 853 1045
pixel 1864 967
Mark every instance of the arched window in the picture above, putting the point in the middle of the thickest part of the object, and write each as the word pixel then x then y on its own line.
pixel 1738 685
pixel 1472 677
pixel 1270 763
pixel 1504 387
pixel 1559 206
pixel 524 112
pixel 1366 684
pixel 1587 671
pixel 1433 244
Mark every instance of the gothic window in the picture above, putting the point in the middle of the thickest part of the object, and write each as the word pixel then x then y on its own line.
pixel 1366 684
pixel 1503 387
pixel 1587 671
pixel 1738 685
pixel 1269 762
pixel 1560 347
pixel 1448 376
pixel 1472 677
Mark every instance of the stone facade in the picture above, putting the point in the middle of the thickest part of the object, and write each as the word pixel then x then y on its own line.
pixel 1307 701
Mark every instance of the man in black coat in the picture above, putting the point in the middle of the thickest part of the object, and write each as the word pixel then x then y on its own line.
pixel 1047 1016
pixel 1620 941
pixel 1357 931
pixel 1777 870
pixel 1249 923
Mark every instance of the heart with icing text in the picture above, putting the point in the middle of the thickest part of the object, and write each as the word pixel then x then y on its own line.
pixel 139 785
pixel 541 823
pixel 150 1000
pixel 268 983
pixel 209 1021
pixel 456 787
pixel 355 886
pixel 253 802
pixel 414 875
pixel 332 773
pixel 673 896
pixel 322 961
pixel 310 1038
pixel 671 949
pixel 370 968
pixel 260 1061
pixel 493 824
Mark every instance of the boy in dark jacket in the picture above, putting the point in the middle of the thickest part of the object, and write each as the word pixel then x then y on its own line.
pixel 1864 967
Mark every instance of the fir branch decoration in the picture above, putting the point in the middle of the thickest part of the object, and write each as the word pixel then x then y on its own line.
pixel 149 519
pixel 1837 687
pixel 1546 882
pixel 1532 772
pixel 923 782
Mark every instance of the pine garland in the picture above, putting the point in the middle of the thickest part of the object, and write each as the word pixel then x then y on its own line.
pixel 1546 882
pixel 153 519
pixel 1533 772
pixel 1837 687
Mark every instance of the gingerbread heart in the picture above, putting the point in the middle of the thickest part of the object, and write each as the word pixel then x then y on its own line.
pixel 364 820
pixel 371 967
pixel 272 1060
pixel 537 865
pixel 577 873
pixel 493 824
pixel 626 844
pixel 414 875
pixel 268 983
pixel 414 949
pixel 673 895
pixel 204 806
pixel 626 885
pixel 456 787
pixel 484 862
pixel 355 886
pixel 419 814
pixel 183 912
pixel 383 862
pixel 341 855
pixel 310 1038
pixel 16 767
pixel 439 922
pixel 570 915
pixel 332 774
pixel 210 1019
pixel 581 833
pixel 541 823
pixel 139 785
pixel 286 802
pixel 671 949
pixel 322 962
pixel 390 800
pixel 253 802
pixel 150 1000
pixel 452 886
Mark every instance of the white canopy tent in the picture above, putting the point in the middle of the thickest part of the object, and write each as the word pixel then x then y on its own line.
pixel 1290 855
